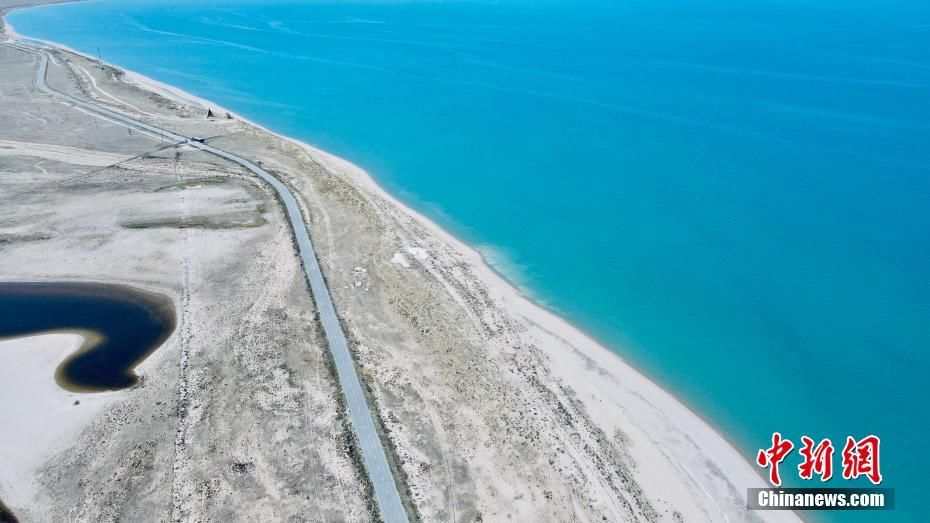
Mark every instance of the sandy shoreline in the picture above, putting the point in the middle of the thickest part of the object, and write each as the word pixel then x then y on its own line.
pixel 616 396
pixel 712 441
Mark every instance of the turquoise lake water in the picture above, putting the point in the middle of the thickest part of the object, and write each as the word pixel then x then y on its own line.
pixel 732 195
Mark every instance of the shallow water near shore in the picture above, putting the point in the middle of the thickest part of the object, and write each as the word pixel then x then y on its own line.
pixel 122 327
pixel 734 197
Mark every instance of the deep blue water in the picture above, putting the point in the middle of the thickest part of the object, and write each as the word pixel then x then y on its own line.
pixel 130 324
pixel 732 195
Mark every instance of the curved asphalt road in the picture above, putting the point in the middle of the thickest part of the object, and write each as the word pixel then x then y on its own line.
pixel 386 493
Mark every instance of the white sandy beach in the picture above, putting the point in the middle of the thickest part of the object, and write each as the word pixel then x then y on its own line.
pixel 44 418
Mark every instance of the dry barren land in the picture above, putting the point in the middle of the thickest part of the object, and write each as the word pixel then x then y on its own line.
pixel 491 408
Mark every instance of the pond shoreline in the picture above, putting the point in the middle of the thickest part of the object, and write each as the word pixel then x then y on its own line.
pixel 121 326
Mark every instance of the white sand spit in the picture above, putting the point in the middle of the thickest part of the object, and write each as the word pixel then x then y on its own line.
pixel 39 417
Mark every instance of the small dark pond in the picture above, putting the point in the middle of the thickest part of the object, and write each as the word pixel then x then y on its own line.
pixel 129 324
pixel 6 516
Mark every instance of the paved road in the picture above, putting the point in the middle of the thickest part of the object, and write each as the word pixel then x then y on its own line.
pixel 386 493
